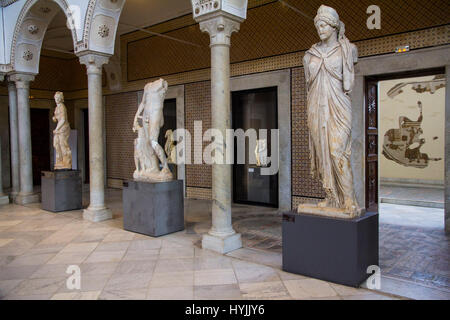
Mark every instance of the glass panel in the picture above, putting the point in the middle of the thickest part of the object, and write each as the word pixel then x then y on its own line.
pixel 254 109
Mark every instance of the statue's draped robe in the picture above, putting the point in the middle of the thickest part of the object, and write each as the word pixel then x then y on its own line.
pixel 329 75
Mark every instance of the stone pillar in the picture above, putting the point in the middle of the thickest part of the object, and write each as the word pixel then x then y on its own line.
pixel 14 139
pixel 97 210
pixel 221 238
pixel 4 199
pixel 26 194
pixel 447 150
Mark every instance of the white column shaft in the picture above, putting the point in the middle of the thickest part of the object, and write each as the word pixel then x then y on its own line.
pixel 14 138
pixel 24 125
pixel 221 120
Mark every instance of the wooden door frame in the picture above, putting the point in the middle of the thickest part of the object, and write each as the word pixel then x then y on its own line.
pixel 390 65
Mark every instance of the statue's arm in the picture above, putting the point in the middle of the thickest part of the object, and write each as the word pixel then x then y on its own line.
pixel 139 111
pixel 306 60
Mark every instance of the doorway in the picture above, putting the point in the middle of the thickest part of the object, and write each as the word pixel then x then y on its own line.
pixel 254 109
pixel 170 123
pixel 40 142
pixel 405 134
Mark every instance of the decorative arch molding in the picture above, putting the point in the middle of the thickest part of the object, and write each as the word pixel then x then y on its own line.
pixel 30 28
pixel 100 28
pixel 97 33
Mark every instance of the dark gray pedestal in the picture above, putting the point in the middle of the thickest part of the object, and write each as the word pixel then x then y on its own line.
pixel 61 190
pixel 329 249
pixel 153 209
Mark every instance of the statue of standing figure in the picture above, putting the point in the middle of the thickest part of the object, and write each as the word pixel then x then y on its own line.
pixel 148 121
pixel 329 70
pixel 61 135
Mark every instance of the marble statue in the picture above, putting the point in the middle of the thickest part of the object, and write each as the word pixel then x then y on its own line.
pixel 148 122
pixel 261 153
pixel 329 70
pixel 170 147
pixel 61 135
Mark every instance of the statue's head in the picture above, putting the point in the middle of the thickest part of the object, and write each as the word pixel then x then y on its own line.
pixel 59 97
pixel 327 22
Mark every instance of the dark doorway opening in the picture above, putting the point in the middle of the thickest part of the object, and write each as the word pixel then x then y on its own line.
pixel 254 109
pixel 40 142
pixel 86 144
pixel 170 123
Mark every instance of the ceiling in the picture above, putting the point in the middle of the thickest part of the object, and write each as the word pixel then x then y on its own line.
pixel 135 14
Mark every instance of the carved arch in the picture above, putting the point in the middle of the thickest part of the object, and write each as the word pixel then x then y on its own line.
pixel 31 26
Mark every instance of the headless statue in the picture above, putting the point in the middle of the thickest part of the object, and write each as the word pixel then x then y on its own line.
pixel 61 135
pixel 147 149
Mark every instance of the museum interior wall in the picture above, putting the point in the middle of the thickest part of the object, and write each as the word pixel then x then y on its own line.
pixel 400 115
pixel 270 39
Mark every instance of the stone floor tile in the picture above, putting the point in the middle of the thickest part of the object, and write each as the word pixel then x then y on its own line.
pixel 119 236
pixel 264 290
pixel 311 287
pixel 90 295
pixel 151 254
pixel 31 259
pixel 174 265
pixel 17 272
pixel 128 281
pixel 214 277
pixel 98 268
pixel 126 294
pixel 51 271
pixel 348 291
pixel 4 242
pixel 170 293
pixel 88 283
pixel 38 287
pixel 176 253
pixel 149 244
pixel 80 247
pixel 113 246
pixel 131 267
pixel 105 256
pixel 212 262
pixel 74 258
pixel 255 274
pixel 221 292
pixel 173 279
pixel 7 285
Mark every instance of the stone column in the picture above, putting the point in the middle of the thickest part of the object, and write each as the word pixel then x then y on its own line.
pixel 4 199
pixel 26 194
pixel 447 150
pixel 97 210
pixel 221 238
pixel 14 139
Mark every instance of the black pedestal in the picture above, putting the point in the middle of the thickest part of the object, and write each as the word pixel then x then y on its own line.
pixel 61 190
pixel 329 249
pixel 153 209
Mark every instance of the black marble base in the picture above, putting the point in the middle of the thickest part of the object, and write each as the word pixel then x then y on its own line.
pixel 61 190
pixel 153 209
pixel 335 250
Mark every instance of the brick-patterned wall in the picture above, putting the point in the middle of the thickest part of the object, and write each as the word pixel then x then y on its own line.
pixel 303 184
pixel 198 107
pixel 120 111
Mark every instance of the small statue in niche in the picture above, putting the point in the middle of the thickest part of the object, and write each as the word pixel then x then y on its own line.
pixel 170 147
pixel 261 153
pixel 147 149
pixel 329 73
pixel 61 135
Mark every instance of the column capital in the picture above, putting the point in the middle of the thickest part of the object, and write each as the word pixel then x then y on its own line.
pixel 22 80
pixel 94 62
pixel 220 27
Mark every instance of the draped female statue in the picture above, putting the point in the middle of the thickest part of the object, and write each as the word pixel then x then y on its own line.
pixel 61 135
pixel 329 70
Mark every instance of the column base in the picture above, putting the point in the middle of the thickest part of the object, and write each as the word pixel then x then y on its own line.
pixel 97 215
pixel 24 199
pixel 222 245
pixel 4 199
